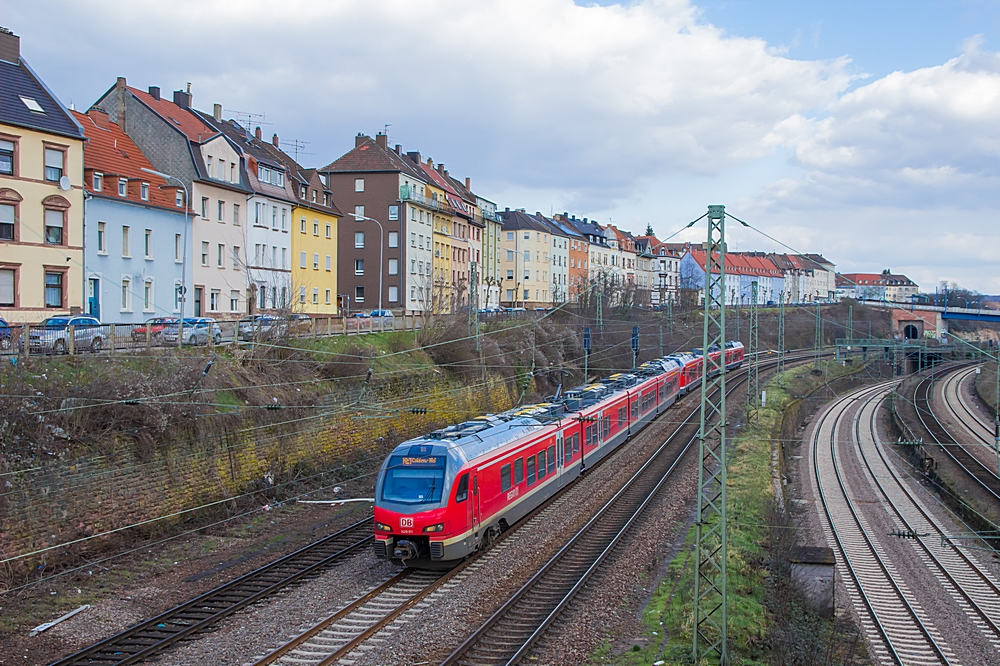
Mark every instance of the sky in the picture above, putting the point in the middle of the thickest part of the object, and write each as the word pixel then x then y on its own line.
pixel 867 131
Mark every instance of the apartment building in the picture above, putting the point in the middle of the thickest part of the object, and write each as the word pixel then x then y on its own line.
pixel 526 260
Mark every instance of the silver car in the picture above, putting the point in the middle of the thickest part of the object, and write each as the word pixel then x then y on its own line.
pixel 52 335
pixel 261 327
pixel 196 331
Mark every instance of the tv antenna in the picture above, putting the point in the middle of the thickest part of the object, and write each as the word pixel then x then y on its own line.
pixel 385 130
pixel 248 119
pixel 297 148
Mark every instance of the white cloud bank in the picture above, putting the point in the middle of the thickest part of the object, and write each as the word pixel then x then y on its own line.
pixel 585 108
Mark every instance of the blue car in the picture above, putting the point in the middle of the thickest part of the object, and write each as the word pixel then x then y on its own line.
pixel 6 335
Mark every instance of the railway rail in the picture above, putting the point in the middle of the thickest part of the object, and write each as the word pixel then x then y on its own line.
pixel 158 633
pixel 923 394
pixel 971 419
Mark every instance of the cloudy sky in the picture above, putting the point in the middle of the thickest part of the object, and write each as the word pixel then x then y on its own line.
pixel 868 131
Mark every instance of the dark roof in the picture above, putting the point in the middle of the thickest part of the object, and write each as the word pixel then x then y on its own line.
pixel 554 228
pixel 517 219
pixel 588 229
pixel 254 150
pixel 367 155
pixel 18 81
pixel 567 228
pixel 303 176
pixel 186 121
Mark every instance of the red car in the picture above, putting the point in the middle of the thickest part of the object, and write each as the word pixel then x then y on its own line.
pixel 155 325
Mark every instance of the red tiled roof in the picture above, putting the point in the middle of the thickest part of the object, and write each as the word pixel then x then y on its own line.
pixel 875 279
pixel 186 121
pixel 738 264
pixel 112 153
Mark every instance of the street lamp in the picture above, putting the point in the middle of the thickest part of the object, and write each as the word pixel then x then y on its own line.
pixel 183 294
pixel 381 243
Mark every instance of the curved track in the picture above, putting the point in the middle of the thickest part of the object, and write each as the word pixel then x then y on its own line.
pixel 976 427
pixel 150 637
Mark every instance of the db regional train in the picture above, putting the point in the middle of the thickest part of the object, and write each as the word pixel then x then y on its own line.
pixel 444 495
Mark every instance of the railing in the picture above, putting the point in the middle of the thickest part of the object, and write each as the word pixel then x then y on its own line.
pixel 406 193
pixel 35 340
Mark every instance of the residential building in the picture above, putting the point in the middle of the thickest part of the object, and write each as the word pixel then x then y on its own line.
pixel 41 195
pixel 373 181
pixel 267 256
pixel 137 230
pixel 492 278
pixel 525 242
pixel 558 260
pixel 741 272
pixel 178 142
pixel 577 256
pixel 477 235
pixel 884 286
pixel 664 268
pixel 823 284
pixel 315 223
pixel 599 253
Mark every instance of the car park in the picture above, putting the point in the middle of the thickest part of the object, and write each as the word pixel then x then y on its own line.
pixel 261 327
pixel 196 331
pixel 53 335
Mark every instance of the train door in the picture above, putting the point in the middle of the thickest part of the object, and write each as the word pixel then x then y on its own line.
pixel 476 508
pixel 560 461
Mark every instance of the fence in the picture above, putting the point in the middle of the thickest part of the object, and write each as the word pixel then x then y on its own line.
pixel 30 339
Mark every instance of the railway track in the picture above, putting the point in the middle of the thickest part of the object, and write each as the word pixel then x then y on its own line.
pixel 923 395
pixel 958 405
pixel 156 634
pixel 898 630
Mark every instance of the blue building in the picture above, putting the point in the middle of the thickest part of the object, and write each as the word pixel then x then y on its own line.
pixel 136 230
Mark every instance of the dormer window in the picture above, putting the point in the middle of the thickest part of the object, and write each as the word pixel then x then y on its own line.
pixel 179 198
pixel 314 196
pixel 123 187
pixel 144 191
pixel 98 182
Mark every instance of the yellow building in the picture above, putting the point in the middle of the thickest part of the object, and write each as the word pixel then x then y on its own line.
pixel 314 243
pixel 41 196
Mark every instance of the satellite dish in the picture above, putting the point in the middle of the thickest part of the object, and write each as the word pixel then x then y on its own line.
pixel 64 184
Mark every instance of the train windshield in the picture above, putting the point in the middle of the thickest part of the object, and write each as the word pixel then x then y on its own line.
pixel 414 479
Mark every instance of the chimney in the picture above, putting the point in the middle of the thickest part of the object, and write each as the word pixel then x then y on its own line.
pixel 217 112
pixel 181 98
pixel 468 183
pixel 154 92
pixel 382 140
pixel 414 157
pixel 10 46
pixel 440 168
pixel 257 133
pixel 399 149
pixel 507 209
pixel 430 162
pixel 274 141
pixel 120 102
pixel 359 139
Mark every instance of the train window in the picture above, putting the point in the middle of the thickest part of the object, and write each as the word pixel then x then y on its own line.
pixel 568 448
pixel 576 442
pixel 519 470
pixel 541 463
pixel 531 470
pixel 462 493
pixel 552 459
pixel 414 480
pixel 505 478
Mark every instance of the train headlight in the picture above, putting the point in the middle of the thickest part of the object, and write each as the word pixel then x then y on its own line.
pixel 434 528
pixel 383 527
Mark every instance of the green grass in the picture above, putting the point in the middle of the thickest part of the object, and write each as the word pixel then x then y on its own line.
pixel 393 350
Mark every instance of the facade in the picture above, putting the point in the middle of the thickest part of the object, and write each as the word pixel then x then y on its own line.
pixel 454 247
pixel 137 229
pixel 525 262
pixel 741 272
pixel 558 260
pixel 267 257
pixel 477 230
pixel 823 284
pixel 882 286
pixel 178 142
pixel 315 223
pixel 492 278
pixel 577 255
pixel 41 195
pixel 664 269
pixel 382 184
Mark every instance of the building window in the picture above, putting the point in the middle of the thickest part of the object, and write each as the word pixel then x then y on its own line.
pixel 359 294
pixel 393 213
pixel 178 245
pixel 327 296
pixel 393 239
pixel 53 290
pixel 413 293
pixel 359 239
pixel 102 243
pixel 413 239
pixel 302 294
pixel 394 267
pixel 126 242
pixel 510 255
pixel 327 263
pixel 359 266
pixel 510 275
pixel 274 217
pixel 179 198
pixel 236 257
pixel 123 187
pixel 204 207
pixel 8 222
pixel 126 293
pixel 213 300
pixel 329 230
pixel 98 178
pixel 222 210
pixel 527 256
pixel 54 164
pixel 148 244
pixel 315 262
pixel 302 225
pixel 204 253
pixel 510 294
pixel 527 294
pixel 284 257
pixel 147 295
pixel 7 288
pixel 144 191
pixel 236 214
pixel 54 220
pixel 315 227
pixel 359 212
pixel 393 293
pixel 302 259
pixel 315 295
pixel 7 158
pixel 284 219
pixel 220 255
pixel 359 184
pixel 234 300
pixel 413 266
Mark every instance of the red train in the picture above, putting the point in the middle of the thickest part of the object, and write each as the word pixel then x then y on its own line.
pixel 442 496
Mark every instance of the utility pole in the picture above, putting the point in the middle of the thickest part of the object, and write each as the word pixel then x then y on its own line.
pixel 850 323
pixel 670 316
pixel 736 302
pixel 474 303
pixel 709 638
pixel 781 341
pixel 753 381
pixel 600 310
pixel 635 346
pixel 661 340
pixel 819 337
pixel 586 354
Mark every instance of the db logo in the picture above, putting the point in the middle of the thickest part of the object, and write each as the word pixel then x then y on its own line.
pixel 406 522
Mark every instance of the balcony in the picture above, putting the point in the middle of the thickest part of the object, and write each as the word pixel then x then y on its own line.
pixel 406 193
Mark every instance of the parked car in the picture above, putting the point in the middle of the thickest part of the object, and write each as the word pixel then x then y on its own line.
pixel 383 314
pixel 196 331
pixel 261 327
pixel 299 323
pixel 515 310
pixel 156 326
pixel 362 315
pixel 52 335
pixel 6 335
